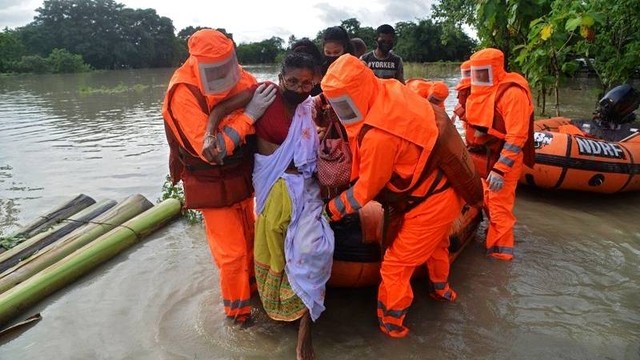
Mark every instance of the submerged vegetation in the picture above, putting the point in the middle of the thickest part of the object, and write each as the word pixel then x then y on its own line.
pixel 170 191
pixel 120 88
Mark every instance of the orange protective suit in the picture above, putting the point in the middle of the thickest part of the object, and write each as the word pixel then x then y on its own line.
pixel 420 86
pixel 229 230
pixel 434 91
pixel 439 93
pixel 464 90
pixel 500 110
pixel 392 132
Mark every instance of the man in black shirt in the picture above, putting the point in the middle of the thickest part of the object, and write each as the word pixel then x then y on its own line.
pixel 382 61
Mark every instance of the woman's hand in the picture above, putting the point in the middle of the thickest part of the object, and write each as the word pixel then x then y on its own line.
pixel 321 130
pixel 210 150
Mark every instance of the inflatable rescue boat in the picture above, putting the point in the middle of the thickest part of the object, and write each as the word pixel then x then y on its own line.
pixel 358 250
pixel 599 155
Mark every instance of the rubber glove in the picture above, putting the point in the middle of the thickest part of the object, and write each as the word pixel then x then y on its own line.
pixel 479 134
pixel 262 98
pixel 495 181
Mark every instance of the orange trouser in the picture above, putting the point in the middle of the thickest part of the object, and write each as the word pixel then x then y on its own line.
pixel 230 236
pixel 499 206
pixel 438 267
pixel 424 235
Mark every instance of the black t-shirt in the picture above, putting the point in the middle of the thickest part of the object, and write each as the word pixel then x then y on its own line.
pixel 388 68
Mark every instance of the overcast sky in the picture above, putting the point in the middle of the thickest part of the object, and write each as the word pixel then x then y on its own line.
pixel 254 20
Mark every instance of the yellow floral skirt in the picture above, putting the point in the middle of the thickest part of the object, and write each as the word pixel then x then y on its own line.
pixel 278 299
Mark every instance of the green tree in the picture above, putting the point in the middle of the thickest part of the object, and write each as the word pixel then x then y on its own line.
pixel 427 41
pixel 547 57
pixel 613 41
pixel 32 64
pixel 105 33
pixel 11 49
pixel 502 24
pixel 62 61
pixel 263 52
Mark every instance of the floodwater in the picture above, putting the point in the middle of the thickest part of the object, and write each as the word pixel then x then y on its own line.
pixel 572 291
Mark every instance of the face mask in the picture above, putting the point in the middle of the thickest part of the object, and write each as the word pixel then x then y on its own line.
pixel 293 97
pixel 385 47
pixel 330 59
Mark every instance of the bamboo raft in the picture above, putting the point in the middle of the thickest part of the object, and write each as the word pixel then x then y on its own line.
pixel 69 241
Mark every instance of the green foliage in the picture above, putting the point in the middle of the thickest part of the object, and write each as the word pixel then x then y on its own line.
pixel 104 33
pixel 171 191
pixel 32 64
pixel 59 61
pixel 10 242
pixel 456 12
pixel 62 61
pixel 263 52
pixel 434 70
pixel 354 29
pixel 547 56
pixel 613 41
pixel 120 88
pixel 542 38
pixel 427 41
pixel 424 41
pixel 11 49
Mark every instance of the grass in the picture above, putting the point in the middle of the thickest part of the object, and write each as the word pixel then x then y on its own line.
pixel 434 70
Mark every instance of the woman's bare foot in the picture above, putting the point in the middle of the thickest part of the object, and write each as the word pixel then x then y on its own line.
pixel 304 349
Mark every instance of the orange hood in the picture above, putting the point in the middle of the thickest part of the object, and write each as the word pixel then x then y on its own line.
pixel 481 102
pixel 465 76
pixel 420 86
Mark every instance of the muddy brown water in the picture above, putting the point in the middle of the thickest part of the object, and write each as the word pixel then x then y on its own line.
pixel 572 291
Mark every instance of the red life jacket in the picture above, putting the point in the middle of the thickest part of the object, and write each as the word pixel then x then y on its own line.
pixel 206 185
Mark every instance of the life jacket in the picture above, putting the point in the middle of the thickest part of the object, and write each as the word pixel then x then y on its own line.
pixel 414 125
pixel 451 156
pixel 206 185
pixel 497 129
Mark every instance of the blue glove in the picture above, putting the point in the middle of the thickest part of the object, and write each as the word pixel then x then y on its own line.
pixel 495 181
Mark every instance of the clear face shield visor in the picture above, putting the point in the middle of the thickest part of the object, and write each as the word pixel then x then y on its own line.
pixel 482 75
pixel 221 76
pixel 465 73
pixel 346 109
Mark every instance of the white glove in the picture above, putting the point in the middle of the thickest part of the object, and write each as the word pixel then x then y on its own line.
pixel 479 133
pixel 495 181
pixel 262 98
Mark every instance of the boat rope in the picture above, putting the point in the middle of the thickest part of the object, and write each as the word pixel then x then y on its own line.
pixel 138 235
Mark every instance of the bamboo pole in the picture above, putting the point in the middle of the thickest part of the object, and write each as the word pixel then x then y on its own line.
pixel 80 262
pixel 45 221
pixel 125 210
pixel 12 256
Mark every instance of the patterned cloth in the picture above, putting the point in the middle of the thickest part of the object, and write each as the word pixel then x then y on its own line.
pixel 290 224
pixel 278 299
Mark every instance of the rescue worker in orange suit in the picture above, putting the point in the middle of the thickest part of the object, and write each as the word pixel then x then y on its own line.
pixel 438 93
pixel 463 89
pixel 420 86
pixel 434 91
pixel 392 133
pixel 209 75
pixel 500 110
